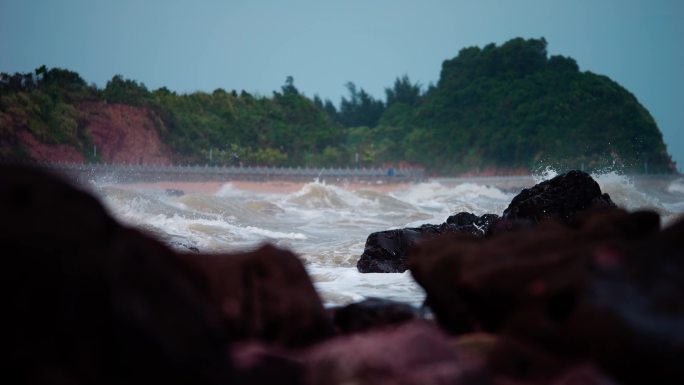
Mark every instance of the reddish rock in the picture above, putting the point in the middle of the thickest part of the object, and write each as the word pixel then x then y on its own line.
pixel 265 295
pixel 260 364
pixel 610 291
pixel 125 134
pixel 89 301
pixel 414 353
pixel 46 152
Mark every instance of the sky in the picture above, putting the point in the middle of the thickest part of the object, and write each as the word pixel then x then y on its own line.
pixel 254 45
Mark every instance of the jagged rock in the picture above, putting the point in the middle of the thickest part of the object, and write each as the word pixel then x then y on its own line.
pixel 373 313
pixel 561 198
pixel 608 290
pixel 91 301
pixel 385 251
pixel 265 295
pixel 466 222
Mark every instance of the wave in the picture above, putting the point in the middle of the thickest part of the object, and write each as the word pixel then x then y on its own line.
pixel 676 187
pixel 317 195
pixel 327 225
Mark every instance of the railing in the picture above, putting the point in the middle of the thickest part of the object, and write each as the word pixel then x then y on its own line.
pixel 133 173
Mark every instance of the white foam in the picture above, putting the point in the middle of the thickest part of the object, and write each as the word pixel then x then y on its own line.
pixel 228 190
pixel 328 225
pixel 676 187
pixel 624 193
pixel 545 174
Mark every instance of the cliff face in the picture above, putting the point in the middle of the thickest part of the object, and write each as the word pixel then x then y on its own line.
pixel 120 133
pixel 124 134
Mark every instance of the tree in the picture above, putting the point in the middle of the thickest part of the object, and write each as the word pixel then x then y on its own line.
pixel 360 109
pixel 403 92
pixel 289 88
pixel 120 90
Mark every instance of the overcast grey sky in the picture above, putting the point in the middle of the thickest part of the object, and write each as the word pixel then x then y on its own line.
pixel 254 45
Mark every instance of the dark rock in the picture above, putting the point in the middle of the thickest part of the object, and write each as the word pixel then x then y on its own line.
pixel 385 251
pixel 90 301
pixel 560 198
pixel 609 290
pixel 462 219
pixel 373 313
pixel 466 222
pixel 265 295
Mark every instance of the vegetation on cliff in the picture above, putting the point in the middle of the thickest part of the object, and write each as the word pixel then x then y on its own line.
pixel 508 106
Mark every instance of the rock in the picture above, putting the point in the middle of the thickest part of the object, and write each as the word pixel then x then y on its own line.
pixel 373 313
pixel 561 197
pixel 91 301
pixel 385 251
pixel 466 222
pixel 414 353
pixel 260 364
pixel 609 290
pixel 265 295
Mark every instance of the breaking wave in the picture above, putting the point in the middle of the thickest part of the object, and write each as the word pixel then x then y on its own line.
pixel 327 225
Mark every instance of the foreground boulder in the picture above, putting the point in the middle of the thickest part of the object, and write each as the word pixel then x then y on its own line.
pixel 90 301
pixel 608 290
pixel 264 295
pixel 414 353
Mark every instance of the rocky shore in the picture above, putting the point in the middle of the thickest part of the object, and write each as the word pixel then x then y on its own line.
pixel 561 288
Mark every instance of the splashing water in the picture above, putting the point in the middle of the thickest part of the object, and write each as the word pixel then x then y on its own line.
pixel 328 225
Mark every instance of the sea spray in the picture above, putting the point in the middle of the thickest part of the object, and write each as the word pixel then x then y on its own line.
pixel 327 225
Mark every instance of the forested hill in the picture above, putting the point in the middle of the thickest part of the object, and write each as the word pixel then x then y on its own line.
pixel 505 107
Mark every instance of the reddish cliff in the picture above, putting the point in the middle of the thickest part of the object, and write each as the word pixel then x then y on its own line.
pixel 124 134
pixel 121 133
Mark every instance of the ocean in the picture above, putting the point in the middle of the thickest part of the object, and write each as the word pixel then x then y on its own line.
pixel 327 225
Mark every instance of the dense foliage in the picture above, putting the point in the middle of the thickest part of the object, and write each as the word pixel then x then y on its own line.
pixel 513 106
pixel 42 102
pixel 508 106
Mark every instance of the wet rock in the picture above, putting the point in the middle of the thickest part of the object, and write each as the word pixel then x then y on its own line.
pixel 91 301
pixel 608 291
pixel 385 251
pixel 561 198
pixel 466 222
pixel 373 313
pixel 265 295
